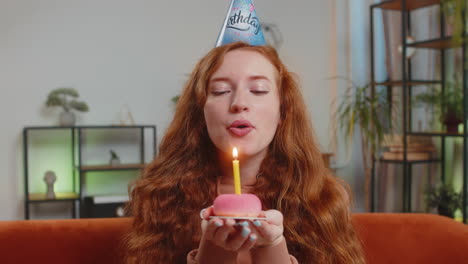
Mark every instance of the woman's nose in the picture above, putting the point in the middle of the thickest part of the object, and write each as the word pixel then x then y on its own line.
pixel 239 102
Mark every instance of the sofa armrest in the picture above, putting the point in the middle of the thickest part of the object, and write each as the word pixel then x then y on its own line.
pixel 412 238
pixel 62 241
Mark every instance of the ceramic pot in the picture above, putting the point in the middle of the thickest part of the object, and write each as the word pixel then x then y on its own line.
pixel 67 118
pixel 114 161
pixel 451 122
pixel 445 211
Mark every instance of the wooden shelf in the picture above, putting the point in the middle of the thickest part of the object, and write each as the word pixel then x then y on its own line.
pixel 87 127
pixel 410 4
pixel 409 82
pixel 139 135
pixel 409 161
pixel 136 166
pixel 438 43
pixel 435 134
pixel 41 197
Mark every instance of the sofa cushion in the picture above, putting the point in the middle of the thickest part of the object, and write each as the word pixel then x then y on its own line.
pixel 387 238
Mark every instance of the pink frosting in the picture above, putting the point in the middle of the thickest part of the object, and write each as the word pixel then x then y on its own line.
pixel 237 205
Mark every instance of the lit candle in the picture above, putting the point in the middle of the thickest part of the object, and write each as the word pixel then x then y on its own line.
pixel 236 174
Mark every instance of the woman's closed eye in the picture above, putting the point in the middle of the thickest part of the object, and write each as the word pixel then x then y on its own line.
pixel 260 87
pixel 220 89
pixel 259 92
pixel 220 92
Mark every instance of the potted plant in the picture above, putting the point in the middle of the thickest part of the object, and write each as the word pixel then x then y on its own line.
pixel 175 99
pixel 444 199
pixel 66 98
pixel 368 113
pixel 448 104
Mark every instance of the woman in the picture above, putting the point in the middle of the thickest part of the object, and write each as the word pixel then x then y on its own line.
pixel 243 96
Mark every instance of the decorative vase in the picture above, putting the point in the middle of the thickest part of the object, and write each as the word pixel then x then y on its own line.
pixel 67 118
pixel 451 124
pixel 445 211
pixel 114 161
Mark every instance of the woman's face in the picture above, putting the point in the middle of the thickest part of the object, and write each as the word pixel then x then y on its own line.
pixel 243 108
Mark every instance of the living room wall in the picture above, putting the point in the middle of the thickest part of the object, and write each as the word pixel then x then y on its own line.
pixel 137 54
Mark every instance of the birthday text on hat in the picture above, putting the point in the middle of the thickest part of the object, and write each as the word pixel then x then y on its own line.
pixel 237 19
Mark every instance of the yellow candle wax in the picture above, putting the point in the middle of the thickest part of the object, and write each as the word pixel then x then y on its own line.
pixel 236 173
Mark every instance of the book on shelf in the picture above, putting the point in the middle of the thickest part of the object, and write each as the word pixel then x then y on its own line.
pixel 395 140
pixel 411 156
pixel 412 148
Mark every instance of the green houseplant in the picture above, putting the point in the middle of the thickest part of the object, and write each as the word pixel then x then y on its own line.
pixel 175 99
pixel 66 98
pixel 448 104
pixel 444 199
pixel 365 111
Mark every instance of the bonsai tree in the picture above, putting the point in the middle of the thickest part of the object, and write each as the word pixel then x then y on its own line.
pixel 367 112
pixel 66 98
pixel 444 199
pixel 448 104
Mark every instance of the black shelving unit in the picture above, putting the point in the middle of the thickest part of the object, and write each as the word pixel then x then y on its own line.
pixel 405 7
pixel 76 196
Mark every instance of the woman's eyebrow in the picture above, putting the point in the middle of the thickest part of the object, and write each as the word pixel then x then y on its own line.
pixel 220 79
pixel 259 77
pixel 251 78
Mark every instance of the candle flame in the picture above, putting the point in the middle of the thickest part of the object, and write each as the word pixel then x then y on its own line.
pixel 234 153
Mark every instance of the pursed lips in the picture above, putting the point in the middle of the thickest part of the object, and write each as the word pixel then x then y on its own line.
pixel 240 128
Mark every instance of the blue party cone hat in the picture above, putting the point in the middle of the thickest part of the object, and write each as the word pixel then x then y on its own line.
pixel 241 24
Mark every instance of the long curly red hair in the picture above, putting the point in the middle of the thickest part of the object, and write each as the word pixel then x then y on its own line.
pixel 166 201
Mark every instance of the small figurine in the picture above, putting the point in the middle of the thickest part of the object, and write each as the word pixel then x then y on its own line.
pixel 50 179
pixel 114 160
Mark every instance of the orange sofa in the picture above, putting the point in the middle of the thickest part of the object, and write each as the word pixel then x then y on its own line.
pixel 387 238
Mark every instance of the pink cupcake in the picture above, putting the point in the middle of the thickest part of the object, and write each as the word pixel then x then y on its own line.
pixel 241 205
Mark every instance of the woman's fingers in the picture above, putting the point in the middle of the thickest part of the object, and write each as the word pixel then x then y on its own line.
pixel 241 236
pixel 244 235
pixel 249 242
pixel 273 216
pixel 229 235
pixel 206 213
pixel 222 232
pixel 211 228
pixel 205 216
pixel 272 223
pixel 269 230
pixel 266 230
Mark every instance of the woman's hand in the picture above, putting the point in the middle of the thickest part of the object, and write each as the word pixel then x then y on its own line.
pixel 227 233
pixel 243 235
pixel 269 231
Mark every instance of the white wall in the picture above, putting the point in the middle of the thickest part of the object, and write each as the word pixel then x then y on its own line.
pixel 137 53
